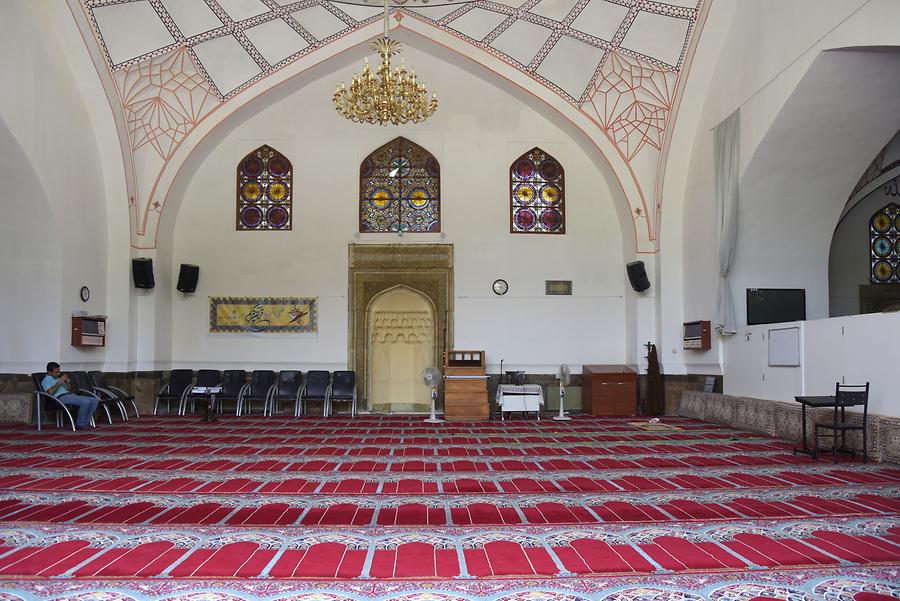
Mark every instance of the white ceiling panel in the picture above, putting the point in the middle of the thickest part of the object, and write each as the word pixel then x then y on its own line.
pixel 570 64
pixel 192 16
pixel 522 40
pixel 434 12
pixel 600 19
pixel 226 62
pixel 658 36
pixel 319 22
pixel 124 41
pixel 276 40
pixel 360 13
pixel 477 23
pixel 554 9
pixel 243 9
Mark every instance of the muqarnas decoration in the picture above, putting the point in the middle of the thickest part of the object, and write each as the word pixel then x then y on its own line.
pixel 271 315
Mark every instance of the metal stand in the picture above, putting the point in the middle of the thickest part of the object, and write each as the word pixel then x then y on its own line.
pixel 562 417
pixel 433 419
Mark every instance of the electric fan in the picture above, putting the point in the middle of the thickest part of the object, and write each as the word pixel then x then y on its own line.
pixel 563 376
pixel 432 377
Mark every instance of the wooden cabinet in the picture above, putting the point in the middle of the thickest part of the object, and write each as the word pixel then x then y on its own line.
pixel 465 386
pixel 88 330
pixel 609 389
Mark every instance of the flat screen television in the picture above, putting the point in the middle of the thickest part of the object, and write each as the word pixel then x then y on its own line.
pixel 775 305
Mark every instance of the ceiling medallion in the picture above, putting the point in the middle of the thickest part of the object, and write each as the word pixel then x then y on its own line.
pixel 385 96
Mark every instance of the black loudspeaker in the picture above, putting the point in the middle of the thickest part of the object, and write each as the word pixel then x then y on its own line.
pixel 637 275
pixel 187 277
pixel 142 271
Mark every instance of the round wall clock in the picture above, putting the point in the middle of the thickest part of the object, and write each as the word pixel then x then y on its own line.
pixel 85 293
pixel 500 287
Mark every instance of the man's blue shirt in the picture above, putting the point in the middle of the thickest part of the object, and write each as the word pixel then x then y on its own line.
pixel 48 383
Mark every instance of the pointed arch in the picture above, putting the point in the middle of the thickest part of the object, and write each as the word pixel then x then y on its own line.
pixel 264 191
pixel 884 245
pixel 537 194
pixel 400 189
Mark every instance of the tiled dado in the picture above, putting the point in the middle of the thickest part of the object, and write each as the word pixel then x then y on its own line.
pixel 782 420
pixel 17 399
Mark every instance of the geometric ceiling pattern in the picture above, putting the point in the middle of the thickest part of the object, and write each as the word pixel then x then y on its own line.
pixel 174 61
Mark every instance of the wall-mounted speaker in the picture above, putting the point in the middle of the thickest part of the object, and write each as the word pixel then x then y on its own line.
pixel 637 275
pixel 187 277
pixel 142 271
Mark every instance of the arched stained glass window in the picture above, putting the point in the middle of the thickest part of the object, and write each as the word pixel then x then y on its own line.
pixel 264 185
pixel 884 245
pixel 400 189
pixel 537 188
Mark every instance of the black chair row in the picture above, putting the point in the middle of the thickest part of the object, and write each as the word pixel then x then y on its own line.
pixel 85 383
pixel 264 387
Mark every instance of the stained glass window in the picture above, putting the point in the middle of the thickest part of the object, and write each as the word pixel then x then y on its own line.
pixel 264 182
pixel 400 189
pixel 537 201
pixel 884 245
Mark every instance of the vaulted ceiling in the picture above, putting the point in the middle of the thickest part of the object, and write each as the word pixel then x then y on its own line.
pixel 172 63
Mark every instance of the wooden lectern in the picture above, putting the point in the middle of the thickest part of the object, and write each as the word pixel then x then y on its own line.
pixel 465 386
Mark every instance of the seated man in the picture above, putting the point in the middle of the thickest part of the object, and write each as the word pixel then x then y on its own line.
pixel 56 384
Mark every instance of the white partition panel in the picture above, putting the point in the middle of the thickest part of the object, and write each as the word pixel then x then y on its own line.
pixel 872 354
pixel 852 350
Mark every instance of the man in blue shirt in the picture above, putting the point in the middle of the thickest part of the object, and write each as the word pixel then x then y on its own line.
pixel 57 385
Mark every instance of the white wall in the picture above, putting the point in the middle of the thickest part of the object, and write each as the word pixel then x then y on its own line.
pixel 476 133
pixel 849 265
pixel 851 350
pixel 53 236
pixel 767 66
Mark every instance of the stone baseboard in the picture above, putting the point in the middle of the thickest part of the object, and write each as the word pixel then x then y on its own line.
pixel 782 420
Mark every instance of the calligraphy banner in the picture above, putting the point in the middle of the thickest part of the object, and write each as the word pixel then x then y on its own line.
pixel 272 315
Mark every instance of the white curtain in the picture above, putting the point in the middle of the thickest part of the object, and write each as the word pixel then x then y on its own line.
pixel 727 136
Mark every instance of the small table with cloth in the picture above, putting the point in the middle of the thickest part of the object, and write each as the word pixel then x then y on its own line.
pixel 526 397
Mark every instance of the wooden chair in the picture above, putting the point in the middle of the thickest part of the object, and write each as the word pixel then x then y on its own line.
pixel 845 395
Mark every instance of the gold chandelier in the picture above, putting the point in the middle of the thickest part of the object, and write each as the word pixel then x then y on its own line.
pixel 385 96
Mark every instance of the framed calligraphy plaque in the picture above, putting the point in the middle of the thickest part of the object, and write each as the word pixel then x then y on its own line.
pixel 271 315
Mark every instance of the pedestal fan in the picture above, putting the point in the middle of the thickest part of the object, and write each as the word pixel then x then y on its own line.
pixel 432 377
pixel 563 376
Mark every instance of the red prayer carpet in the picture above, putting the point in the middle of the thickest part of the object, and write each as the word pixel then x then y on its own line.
pixel 391 508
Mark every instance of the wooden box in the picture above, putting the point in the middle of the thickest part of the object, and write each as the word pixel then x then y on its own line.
pixel 88 330
pixel 465 386
pixel 609 389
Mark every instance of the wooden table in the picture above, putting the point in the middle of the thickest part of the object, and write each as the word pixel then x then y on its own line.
pixel 609 389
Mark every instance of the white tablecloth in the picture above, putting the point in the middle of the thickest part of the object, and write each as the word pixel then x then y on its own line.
pixel 529 397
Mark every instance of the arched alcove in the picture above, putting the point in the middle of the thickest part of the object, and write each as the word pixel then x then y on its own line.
pixel 400 323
